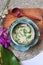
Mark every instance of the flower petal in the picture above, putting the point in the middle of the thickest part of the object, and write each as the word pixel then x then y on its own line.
pixel 4 38
pixel 8 41
pixel 4 29
pixel 5 35
pixel 0 33
pixel 1 41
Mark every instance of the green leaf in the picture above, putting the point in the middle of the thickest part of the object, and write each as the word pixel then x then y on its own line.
pixel 29 36
pixel 8 57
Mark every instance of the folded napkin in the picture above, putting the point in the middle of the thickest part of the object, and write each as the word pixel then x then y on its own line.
pixel 35 14
pixel 38 60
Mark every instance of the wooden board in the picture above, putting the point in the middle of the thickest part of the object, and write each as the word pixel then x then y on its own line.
pixel 35 14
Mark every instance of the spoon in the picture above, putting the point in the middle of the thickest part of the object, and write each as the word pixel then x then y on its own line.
pixel 19 13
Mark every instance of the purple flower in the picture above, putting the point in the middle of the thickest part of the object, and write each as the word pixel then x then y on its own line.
pixel 4 38
pixel 2 30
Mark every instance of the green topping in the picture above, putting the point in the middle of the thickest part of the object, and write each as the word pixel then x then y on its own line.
pixel 23 34
pixel 29 36
pixel 30 31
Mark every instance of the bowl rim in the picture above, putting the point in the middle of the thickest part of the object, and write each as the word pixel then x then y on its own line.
pixel 12 33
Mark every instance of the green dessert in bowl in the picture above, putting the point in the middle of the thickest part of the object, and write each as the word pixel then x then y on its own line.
pixel 23 34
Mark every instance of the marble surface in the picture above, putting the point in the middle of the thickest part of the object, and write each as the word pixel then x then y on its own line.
pixel 22 3
pixel 32 52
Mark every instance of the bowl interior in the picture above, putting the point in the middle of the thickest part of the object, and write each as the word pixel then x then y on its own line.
pixel 25 42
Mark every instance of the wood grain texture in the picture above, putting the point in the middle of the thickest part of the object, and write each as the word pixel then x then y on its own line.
pixel 35 14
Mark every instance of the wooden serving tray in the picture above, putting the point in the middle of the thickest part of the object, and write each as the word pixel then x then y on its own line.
pixel 35 14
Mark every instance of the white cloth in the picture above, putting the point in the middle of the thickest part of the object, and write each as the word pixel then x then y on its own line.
pixel 38 60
